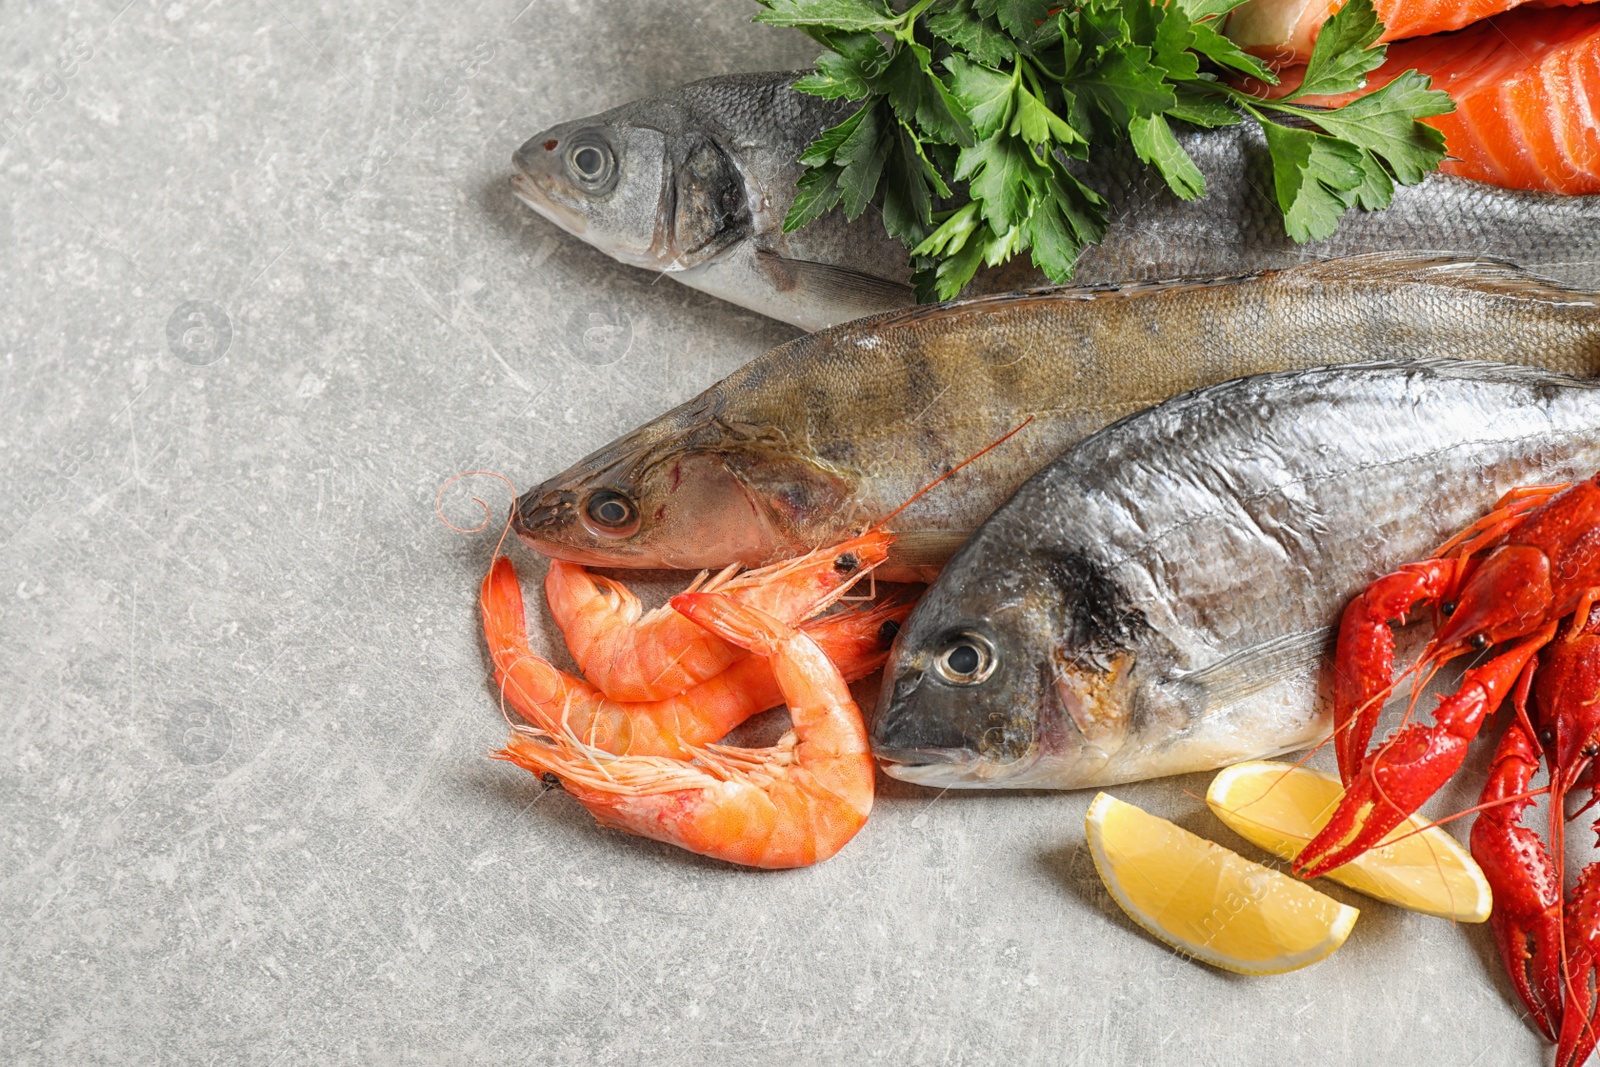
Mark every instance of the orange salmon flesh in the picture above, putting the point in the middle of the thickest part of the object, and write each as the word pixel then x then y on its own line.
pixel 1527 92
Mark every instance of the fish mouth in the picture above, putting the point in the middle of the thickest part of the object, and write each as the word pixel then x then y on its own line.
pixel 949 768
pixel 540 509
pixel 531 188
pixel 922 765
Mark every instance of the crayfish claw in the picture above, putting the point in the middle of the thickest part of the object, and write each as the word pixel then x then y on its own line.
pixel 1365 657
pixel 1526 920
pixel 1389 787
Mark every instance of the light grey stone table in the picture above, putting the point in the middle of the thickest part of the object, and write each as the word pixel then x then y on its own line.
pixel 263 289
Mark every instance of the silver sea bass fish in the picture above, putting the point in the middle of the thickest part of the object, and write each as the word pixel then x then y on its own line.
pixel 1161 598
pixel 696 182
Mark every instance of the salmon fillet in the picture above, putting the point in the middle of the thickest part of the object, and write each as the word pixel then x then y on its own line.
pixel 1283 31
pixel 1527 91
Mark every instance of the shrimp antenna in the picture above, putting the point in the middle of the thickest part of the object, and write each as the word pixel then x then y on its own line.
pixel 488 515
pixel 920 493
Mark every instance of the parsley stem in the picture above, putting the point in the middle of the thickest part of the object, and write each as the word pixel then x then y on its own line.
pixel 1028 70
pixel 1041 70
pixel 908 21
pixel 1249 102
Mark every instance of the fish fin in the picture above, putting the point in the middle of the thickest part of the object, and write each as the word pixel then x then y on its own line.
pixel 795 490
pixel 1238 676
pixel 863 293
pixel 922 553
pixel 1486 274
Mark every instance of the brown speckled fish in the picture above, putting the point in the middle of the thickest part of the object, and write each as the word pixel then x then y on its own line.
pixel 825 435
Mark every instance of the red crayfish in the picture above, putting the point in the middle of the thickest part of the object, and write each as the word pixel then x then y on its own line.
pixel 1509 580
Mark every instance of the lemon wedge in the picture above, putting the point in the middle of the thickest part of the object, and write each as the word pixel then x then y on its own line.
pixel 1280 807
pixel 1202 899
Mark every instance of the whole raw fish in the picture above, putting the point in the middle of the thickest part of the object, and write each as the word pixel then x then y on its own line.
pixel 696 182
pixel 1160 599
pixel 822 436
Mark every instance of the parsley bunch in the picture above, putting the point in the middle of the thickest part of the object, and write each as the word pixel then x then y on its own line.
pixel 971 110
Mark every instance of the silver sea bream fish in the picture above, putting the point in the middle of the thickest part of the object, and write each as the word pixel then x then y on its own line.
pixel 1162 597
pixel 696 182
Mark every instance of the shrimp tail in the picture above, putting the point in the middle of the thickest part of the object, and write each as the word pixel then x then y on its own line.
pixel 737 624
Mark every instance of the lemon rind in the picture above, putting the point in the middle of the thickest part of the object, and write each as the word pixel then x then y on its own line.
pixel 1338 931
pixel 1371 864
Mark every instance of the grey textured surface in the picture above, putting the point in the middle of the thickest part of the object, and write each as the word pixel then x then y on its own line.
pixel 245 808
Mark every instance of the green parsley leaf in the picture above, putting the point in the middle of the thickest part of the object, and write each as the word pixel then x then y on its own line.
pixel 959 245
pixel 909 185
pixel 1003 176
pixel 1314 176
pixel 1070 219
pixel 1203 111
pixel 985 94
pixel 851 16
pixel 953 232
pixel 1174 36
pixel 1018 17
pixel 919 96
pixel 1126 86
pixel 862 160
pixel 1198 10
pixel 1101 27
pixel 816 194
pixel 1377 186
pixel 821 151
pixel 1140 20
pixel 1037 124
pixel 1343 54
pixel 958 267
pixel 1224 53
pixel 1154 143
pixel 967 31
pixel 1385 124
pixel 847 70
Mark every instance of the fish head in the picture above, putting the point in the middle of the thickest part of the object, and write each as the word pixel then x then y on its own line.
pixel 1034 671
pixel 684 493
pixel 640 183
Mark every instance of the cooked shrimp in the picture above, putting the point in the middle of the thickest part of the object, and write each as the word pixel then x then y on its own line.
pixel 857 641
pixel 636 656
pixel 790 805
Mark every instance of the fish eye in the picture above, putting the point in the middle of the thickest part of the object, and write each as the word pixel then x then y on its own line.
pixel 590 163
pixel 611 514
pixel 965 659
